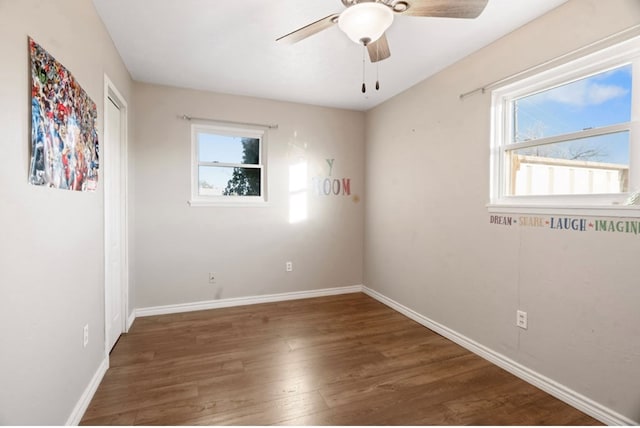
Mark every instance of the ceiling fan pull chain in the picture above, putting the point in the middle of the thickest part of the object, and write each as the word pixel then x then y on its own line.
pixel 378 67
pixel 364 87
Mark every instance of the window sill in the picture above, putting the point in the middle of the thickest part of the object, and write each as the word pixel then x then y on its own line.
pixel 225 203
pixel 576 210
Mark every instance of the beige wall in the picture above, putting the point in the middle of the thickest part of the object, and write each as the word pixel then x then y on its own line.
pixel 51 245
pixel 429 244
pixel 246 247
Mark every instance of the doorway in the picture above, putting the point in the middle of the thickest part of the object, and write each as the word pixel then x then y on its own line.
pixel 114 167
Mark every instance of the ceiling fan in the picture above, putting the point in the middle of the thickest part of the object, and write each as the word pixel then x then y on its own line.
pixel 365 21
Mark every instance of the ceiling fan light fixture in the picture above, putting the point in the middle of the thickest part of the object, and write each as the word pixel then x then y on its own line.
pixel 365 22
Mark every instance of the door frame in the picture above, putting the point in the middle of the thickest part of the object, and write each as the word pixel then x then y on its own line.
pixel 111 94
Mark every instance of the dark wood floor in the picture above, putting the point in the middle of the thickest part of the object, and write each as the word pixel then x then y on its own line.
pixel 339 360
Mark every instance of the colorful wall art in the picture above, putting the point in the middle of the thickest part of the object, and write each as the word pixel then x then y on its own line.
pixel 327 186
pixel 577 224
pixel 64 140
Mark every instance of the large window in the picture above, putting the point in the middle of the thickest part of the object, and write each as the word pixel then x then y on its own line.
pixel 227 165
pixel 569 136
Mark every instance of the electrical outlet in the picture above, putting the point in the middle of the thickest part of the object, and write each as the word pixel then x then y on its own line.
pixel 289 266
pixel 212 278
pixel 521 319
pixel 85 336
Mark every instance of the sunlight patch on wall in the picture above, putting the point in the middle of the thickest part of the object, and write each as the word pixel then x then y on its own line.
pixel 298 192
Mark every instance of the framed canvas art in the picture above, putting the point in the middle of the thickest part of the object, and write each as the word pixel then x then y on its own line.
pixel 64 139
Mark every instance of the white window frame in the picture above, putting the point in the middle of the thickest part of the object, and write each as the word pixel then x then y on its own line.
pixel 627 52
pixel 198 200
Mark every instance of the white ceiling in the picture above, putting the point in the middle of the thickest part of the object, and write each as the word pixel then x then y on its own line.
pixel 230 47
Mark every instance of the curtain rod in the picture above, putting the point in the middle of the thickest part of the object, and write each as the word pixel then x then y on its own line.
pixel 609 40
pixel 229 122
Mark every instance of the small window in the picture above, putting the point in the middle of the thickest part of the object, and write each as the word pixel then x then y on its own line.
pixel 569 136
pixel 227 166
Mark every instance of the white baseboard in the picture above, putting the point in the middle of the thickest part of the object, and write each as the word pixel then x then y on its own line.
pixel 87 395
pixel 569 396
pixel 130 320
pixel 241 301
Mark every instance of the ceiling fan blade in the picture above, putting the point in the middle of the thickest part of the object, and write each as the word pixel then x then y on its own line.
pixel 379 49
pixel 309 30
pixel 444 8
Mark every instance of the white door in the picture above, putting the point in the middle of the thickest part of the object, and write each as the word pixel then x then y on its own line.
pixel 114 223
